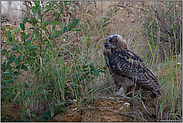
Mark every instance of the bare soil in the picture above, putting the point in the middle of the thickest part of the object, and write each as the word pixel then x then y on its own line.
pixel 103 108
pixel 11 112
pixel 100 109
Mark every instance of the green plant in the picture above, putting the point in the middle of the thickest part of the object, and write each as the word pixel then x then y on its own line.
pixel 111 13
pixel 28 55
pixel 164 18
pixel 39 72
pixel 163 26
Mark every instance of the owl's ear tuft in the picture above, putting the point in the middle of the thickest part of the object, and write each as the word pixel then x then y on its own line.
pixel 114 38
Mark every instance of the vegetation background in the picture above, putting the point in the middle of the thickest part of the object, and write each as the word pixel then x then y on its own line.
pixel 52 58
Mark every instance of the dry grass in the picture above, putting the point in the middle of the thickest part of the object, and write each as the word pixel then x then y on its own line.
pixel 87 44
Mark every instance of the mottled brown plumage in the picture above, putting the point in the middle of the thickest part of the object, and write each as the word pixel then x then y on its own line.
pixel 126 67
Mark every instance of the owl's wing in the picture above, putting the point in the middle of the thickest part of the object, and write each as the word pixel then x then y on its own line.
pixel 128 64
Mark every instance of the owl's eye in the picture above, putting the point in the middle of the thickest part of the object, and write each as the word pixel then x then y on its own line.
pixel 111 41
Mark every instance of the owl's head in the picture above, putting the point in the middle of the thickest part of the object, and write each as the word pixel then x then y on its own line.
pixel 115 42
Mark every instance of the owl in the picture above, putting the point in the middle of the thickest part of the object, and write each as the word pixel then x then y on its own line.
pixel 128 69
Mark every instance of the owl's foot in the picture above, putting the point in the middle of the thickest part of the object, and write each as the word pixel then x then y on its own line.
pixel 120 92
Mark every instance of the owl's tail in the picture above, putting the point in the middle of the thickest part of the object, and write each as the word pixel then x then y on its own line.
pixel 154 93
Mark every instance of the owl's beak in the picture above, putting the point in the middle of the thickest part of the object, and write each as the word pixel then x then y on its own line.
pixel 106 44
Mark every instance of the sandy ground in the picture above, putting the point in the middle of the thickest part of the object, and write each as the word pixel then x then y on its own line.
pixel 103 108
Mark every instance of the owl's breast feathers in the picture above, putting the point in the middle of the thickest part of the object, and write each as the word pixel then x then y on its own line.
pixel 126 63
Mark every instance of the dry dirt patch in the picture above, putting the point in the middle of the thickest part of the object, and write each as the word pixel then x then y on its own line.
pixel 105 108
pixel 100 109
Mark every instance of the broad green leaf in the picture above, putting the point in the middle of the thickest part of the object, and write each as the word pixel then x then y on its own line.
pixel 10 39
pixel 75 22
pixel 25 20
pixel 22 67
pixel 66 28
pixel 57 14
pixel 22 38
pixel 34 10
pixel 45 93
pixel 62 26
pixel 21 111
pixel 101 71
pixel 42 119
pixel 22 26
pixel 34 20
pixel 54 23
pixel 24 99
pixel 39 15
pixel 16 73
pixel 12 95
pixel 27 93
pixel 51 111
pixel 60 109
pixel 23 33
pixel 37 3
pixel 46 114
pixel 47 7
pixel 42 97
pixel 53 2
pixel 27 36
pixel 11 59
pixel 60 6
pixel 33 115
pixel 52 9
pixel 5 52
pixel 10 72
pixel 38 91
pixel 26 119
pixel 10 81
pixel 7 34
pixel 85 66
pixel 3 67
pixel 95 73
pixel 16 102
pixel 57 32
pixel 77 30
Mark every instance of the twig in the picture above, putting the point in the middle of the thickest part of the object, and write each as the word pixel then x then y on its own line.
pixel 105 106
pixel 144 106
pixel 142 115
pixel 51 36
pixel 127 114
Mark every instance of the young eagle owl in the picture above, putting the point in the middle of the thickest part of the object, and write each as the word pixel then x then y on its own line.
pixel 126 67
